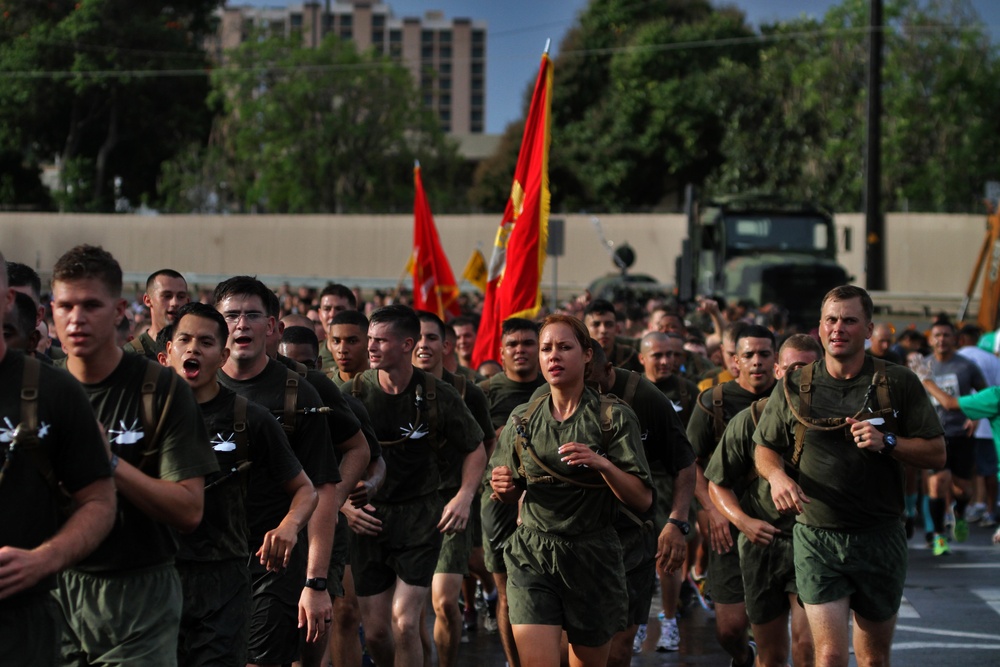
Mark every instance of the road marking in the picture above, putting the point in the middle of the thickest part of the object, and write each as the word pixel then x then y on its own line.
pixel 970 566
pixel 906 610
pixel 905 646
pixel 947 633
pixel 990 596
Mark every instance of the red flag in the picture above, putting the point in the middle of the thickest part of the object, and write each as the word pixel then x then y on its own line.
pixel 515 272
pixel 434 286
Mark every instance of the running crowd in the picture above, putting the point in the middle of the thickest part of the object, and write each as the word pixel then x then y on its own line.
pixel 277 476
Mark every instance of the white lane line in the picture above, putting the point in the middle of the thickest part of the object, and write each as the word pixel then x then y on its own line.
pixel 947 633
pixel 905 646
pixel 970 566
pixel 906 610
pixel 990 596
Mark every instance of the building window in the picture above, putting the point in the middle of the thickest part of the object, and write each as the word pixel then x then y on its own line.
pixel 426 36
pixel 296 20
pixel 378 37
pixel 395 36
pixel 476 117
pixel 444 100
pixel 477 100
pixel 477 69
pixel 346 20
pixel 428 100
pixel 478 37
pixel 378 21
pixel 445 115
pixel 346 32
pixel 327 23
pixel 445 51
pixel 444 68
pixel 444 83
pixel 477 84
pixel 444 37
pixel 427 52
pixel 477 53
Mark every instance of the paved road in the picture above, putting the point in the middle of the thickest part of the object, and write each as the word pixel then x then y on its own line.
pixel 950 616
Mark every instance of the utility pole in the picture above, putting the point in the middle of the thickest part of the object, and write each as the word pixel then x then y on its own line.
pixel 874 219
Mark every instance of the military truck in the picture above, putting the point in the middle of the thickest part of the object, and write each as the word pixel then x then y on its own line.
pixel 761 248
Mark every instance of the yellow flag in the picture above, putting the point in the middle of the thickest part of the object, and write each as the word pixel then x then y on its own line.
pixel 475 270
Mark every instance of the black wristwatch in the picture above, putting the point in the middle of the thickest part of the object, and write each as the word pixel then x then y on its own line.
pixel 888 443
pixel 317 583
pixel 683 525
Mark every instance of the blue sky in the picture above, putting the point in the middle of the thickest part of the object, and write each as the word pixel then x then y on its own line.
pixel 517 30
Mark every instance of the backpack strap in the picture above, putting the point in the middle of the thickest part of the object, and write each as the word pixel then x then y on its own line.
pixel 291 400
pixel 805 403
pixel 522 443
pixel 357 386
pixel 756 409
pixel 29 392
pixel 430 394
pixel 135 346
pixel 460 384
pixel 630 386
pixel 242 446
pixel 881 382
pixel 152 422
pixel 717 412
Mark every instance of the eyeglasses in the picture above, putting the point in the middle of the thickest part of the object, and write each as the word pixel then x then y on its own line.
pixel 251 316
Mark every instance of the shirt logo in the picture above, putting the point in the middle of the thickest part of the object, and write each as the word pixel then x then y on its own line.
pixel 414 432
pixel 222 443
pixel 127 435
pixel 8 428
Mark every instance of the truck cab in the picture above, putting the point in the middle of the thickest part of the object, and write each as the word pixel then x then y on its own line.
pixel 761 248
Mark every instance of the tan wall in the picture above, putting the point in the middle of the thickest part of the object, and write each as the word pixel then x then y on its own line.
pixel 927 254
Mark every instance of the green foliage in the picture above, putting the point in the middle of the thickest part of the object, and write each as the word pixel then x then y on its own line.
pixel 325 130
pixel 83 82
pixel 650 96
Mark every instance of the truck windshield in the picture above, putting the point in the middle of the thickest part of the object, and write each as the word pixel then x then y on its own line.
pixel 764 232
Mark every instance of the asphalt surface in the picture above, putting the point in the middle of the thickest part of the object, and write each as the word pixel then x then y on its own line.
pixel 950 616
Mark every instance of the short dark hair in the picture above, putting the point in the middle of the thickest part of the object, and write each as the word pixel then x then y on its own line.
pixel 848 292
pixel 88 261
pixel 301 336
pixel 466 320
pixel 755 331
pixel 22 275
pixel 355 317
pixel 167 334
pixel 600 306
pixel 425 316
pixel 944 321
pixel 971 331
pixel 242 286
pixel 206 311
pixel 803 343
pixel 169 273
pixel 515 324
pixel 23 313
pixel 401 319
pixel 343 291
pixel 600 358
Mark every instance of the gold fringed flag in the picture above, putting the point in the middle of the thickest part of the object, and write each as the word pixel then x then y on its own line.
pixel 434 287
pixel 475 270
pixel 515 271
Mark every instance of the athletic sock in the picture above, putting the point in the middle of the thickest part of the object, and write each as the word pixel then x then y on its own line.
pixel 960 505
pixel 937 514
pixel 926 510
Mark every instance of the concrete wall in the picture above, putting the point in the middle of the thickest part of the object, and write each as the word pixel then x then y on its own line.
pixel 927 254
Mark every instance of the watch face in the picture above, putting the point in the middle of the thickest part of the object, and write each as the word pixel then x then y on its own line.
pixel 890 439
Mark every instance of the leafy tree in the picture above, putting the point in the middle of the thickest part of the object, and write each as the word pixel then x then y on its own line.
pixel 86 81
pixel 315 131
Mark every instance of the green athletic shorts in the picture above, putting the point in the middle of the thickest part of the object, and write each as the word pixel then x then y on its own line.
pixel 338 557
pixel 869 567
pixel 663 485
pixel 639 560
pixel 122 618
pixel 576 583
pixel 407 548
pixel 768 578
pixel 215 620
pixel 29 630
pixel 499 521
pixel 455 551
pixel 725 579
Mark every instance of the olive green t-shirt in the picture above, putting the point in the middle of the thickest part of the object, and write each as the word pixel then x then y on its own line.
pixel 418 454
pixel 505 394
pixel 183 452
pixel 849 488
pixel 732 466
pixel 475 400
pixel 566 509
pixel 701 428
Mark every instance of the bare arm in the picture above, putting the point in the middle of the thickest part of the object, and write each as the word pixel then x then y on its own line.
pixel 177 504
pixel 86 528
pixel 919 452
pixel 671 546
pixel 366 489
pixel 718 525
pixel 947 401
pixel 455 516
pixel 354 459
pixel 786 494
pixel 757 531
pixel 276 549
pixel 629 488
pixel 315 606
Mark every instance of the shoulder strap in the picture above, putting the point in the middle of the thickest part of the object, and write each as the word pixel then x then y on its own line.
pixel 522 443
pixel 135 345
pixel 29 392
pixel 460 384
pixel 430 393
pixel 357 386
pixel 151 420
pixel 881 381
pixel 630 386
pixel 756 409
pixel 240 427
pixel 291 400
pixel 805 403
